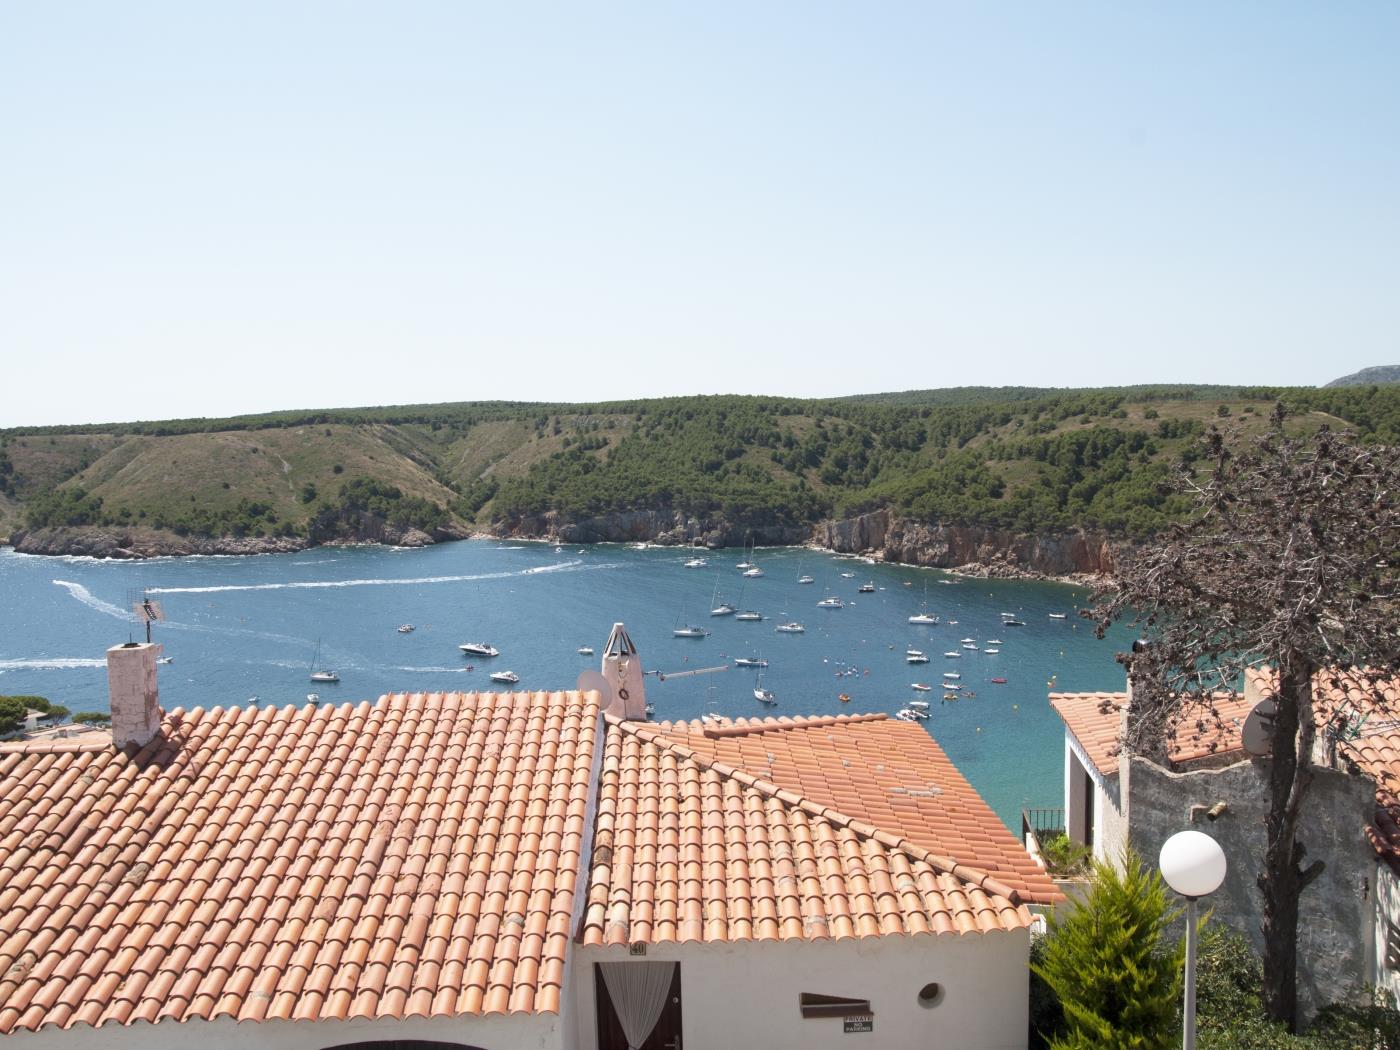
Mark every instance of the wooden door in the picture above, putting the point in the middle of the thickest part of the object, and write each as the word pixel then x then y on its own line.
pixel 665 1036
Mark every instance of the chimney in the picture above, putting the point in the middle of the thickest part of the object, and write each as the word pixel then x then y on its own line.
pixel 131 683
pixel 622 669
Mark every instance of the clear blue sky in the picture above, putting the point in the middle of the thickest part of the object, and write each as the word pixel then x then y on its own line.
pixel 208 210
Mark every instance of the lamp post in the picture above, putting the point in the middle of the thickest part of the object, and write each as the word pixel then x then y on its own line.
pixel 1194 865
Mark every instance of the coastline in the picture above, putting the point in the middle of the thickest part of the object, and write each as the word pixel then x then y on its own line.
pixel 1074 559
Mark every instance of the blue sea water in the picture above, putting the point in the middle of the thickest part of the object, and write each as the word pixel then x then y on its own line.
pixel 245 629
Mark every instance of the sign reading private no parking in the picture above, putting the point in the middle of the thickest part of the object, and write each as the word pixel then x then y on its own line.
pixel 859 1023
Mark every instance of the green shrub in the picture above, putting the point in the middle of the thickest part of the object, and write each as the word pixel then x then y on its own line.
pixel 1106 960
pixel 100 718
pixel 1065 858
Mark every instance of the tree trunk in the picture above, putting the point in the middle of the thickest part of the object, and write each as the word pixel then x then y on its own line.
pixel 1283 879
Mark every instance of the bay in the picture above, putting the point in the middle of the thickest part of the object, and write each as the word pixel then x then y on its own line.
pixel 244 630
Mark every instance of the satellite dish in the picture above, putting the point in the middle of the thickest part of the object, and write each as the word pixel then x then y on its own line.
pixel 593 681
pixel 1257 733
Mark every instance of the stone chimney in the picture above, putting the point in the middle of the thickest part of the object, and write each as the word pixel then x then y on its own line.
pixel 622 669
pixel 131 683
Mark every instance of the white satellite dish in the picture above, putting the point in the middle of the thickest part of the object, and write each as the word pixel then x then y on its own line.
pixel 1257 733
pixel 593 681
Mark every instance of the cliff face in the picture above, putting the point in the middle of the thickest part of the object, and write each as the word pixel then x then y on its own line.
pixel 991 552
pixel 103 542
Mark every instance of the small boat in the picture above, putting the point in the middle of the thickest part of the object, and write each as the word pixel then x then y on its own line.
pixel 505 676
pixel 479 649
pixel 790 628
pixel 585 650
pixel 405 628
pixel 748 616
pixel 918 705
pixel 924 618
pixel 753 572
pixel 967 641
pixel 994 641
pixel 848 576
pixel 312 698
pixel 1013 623
pixel 749 661
pixel 650 709
pixel 991 652
pixel 905 715
pixel 915 712
pixel 913 656
pixel 951 696
pixel 764 696
pixel 999 681
pixel 723 609
pixel 953 654
pixel 696 563
pixel 166 660
pixel 920 687
pixel 831 603
pixel 321 674
pixel 971 646
pixel 845 698
pixel 806 579
pixel 867 588
pixel 1057 616
pixel 690 631
pixel 952 676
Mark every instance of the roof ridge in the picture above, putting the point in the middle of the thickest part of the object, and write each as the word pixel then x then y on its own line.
pixel 755 727
pixel 948 865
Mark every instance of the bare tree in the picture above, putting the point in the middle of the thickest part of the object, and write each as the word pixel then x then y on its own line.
pixel 1288 561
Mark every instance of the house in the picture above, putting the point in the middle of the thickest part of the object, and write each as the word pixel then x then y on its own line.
pixel 491 870
pixel 1349 922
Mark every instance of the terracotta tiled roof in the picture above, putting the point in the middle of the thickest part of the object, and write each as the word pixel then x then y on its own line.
pixel 414 856
pixel 881 773
pixel 688 848
pixel 1095 719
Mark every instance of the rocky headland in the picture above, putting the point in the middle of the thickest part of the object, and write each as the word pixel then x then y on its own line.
pixel 137 543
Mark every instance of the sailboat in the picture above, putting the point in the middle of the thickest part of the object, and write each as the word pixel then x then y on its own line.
pixel 719 608
pixel 923 617
pixel 763 696
pixel 322 674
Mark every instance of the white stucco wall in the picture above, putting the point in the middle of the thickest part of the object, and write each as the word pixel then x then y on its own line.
pixel 519 1032
pixel 1385 913
pixel 746 994
pixel 1109 830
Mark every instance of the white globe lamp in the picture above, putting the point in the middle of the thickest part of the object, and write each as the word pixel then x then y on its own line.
pixel 1193 864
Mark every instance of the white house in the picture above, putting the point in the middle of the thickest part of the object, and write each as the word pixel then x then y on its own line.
pixel 1349 928
pixel 542 870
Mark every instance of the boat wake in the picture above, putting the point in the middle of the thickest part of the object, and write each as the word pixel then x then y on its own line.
pixel 77 590
pixel 415 581
pixel 56 663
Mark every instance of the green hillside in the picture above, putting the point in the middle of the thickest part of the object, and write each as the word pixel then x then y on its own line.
pixel 1023 458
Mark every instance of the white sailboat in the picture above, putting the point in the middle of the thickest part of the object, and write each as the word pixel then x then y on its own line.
pixel 763 696
pixel 318 673
pixel 719 608
pixel 923 616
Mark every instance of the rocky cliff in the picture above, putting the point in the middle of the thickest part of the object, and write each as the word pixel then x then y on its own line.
pixel 104 542
pixel 670 527
pixel 988 552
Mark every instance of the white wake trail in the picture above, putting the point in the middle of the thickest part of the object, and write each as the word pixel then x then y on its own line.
pixel 56 663
pixel 397 582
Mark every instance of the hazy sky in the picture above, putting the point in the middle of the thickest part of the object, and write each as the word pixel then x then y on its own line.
pixel 207 209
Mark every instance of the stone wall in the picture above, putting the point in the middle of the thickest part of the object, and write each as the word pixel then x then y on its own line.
pixel 1336 912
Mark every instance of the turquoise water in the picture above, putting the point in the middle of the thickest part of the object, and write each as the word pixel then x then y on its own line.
pixel 248 627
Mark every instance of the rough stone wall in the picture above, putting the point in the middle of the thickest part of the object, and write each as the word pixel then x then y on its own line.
pixel 1336 911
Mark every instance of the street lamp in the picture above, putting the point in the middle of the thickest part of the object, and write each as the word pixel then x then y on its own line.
pixel 1194 865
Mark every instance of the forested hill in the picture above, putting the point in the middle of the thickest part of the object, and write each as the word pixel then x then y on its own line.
pixel 1022 458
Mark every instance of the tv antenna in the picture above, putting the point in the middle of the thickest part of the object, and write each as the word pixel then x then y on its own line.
pixel 145 609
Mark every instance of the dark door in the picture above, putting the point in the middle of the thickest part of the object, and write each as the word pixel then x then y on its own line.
pixel 1088 810
pixel 665 1036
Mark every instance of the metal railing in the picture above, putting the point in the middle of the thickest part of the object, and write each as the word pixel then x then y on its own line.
pixel 1039 822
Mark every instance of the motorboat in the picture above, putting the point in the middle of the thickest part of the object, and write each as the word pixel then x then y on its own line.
pixel 914 713
pixel 920 687
pixel 953 654
pixel 994 641
pixel 845 698
pixel 967 641
pixel 406 628
pixel 690 631
pixel 790 628
pixel 509 677
pixel 806 579
pixel 585 650
pixel 913 656
pixel 166 660
pixel 848 576
pixel 867 588
pixel 952 676
pixel 479 649
pixel 906 715
pixel 999 681
pixel 312 698
pixel 970 646
pixel 753 572
pixel 697 563
pixel 924 618
pixel 1058 616
pixel 991 652
pixel 831 603
pixel 951 696
pixel 749 616
pixel 749 661
pixel 918 705
pixel 1010 620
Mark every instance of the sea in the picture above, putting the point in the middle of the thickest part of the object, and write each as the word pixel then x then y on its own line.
pixel 248 630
